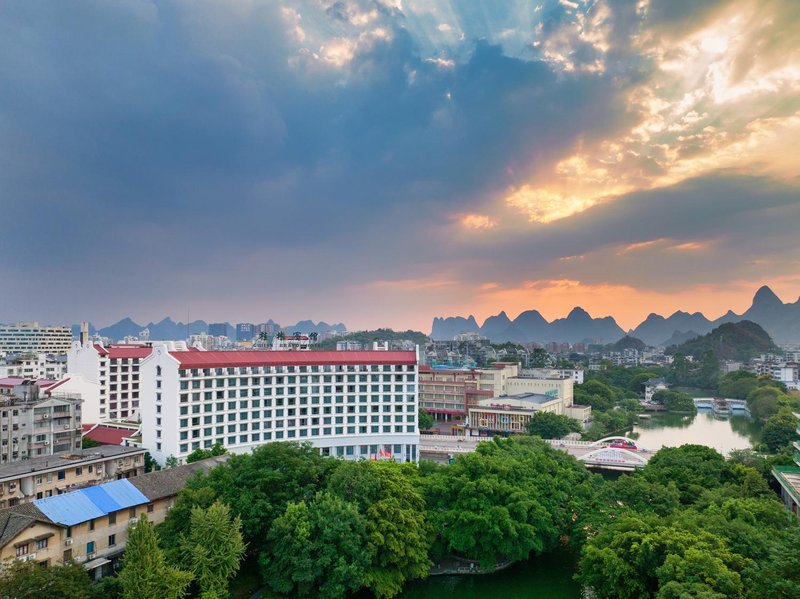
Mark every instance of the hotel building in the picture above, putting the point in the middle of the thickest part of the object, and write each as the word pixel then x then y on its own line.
pixel 349 404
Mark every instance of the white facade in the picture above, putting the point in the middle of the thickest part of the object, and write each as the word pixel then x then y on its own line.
pixel 349 404
pixel 31 337
pixel 34 366
pixel 115 371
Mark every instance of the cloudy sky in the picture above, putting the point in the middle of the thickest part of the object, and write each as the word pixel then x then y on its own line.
pixel 380 162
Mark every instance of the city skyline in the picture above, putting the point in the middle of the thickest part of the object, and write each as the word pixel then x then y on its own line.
pixel 382 163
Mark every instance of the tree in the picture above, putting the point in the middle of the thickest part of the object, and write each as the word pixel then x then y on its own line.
pixel 213 548
pixel 507 499
pixel 549 425
pixel 737 384
pixel 675 401
pixel 150 464
pixel 779 431
pixel 539 358
pixel 597 394
pixel 692 468
pixel 202 454
pixel 170 462
pixel 87 443
pixel 145 573
pixel 28 580
pixel 424 419
pixel 389 497
pixel 317 549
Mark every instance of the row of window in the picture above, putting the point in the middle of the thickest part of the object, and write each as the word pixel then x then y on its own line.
pixel 195 372
pixel 233 440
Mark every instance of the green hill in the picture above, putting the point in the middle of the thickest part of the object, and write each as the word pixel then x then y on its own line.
pixel 730 341
pixel 367 337
pixel 627 342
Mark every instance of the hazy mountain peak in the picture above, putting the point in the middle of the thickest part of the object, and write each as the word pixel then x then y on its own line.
pixel 766 297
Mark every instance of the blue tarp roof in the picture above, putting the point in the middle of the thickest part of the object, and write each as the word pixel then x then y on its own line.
pixel 93 502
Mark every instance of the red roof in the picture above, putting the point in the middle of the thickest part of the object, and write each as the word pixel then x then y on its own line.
pixel 115 352
pixel 219 359
pixel 107 435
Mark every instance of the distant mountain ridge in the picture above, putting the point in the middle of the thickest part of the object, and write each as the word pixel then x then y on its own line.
pixel 780 320
pixel 169 330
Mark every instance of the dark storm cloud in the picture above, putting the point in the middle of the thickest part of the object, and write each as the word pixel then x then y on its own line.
pixel 159 151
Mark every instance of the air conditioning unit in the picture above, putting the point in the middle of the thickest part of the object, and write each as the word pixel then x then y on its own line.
pixel 47 442
pixel 68 541
pixel 66 427
pixel 90 556
pixel 30 557
pixel 133 521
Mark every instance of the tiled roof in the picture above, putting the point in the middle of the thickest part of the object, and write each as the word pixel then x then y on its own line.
pixel 217 359
pixel 64 459
pixel 107 435
pixel 165 483
pixel 15 519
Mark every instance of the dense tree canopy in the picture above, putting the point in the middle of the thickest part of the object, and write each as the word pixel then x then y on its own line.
pixel 549 425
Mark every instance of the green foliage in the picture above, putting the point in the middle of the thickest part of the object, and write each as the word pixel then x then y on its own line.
pixel 202 454
pixel 170 462
pixel 317 548
pixel 539 358
pixel 505 500
pixel 424 419
pixel 627 342
pixel 737 384
pixel 595 393
pixel 779 431
pixel 389 496
pixel 675 401
pixel 367 337
pixel 150 465
pixel 692 468
pixel 730 341
pixel 109 587
pixel 28 580
pixel 213 548
pixel 145 573
pixel 612 422
pixel 87 443
pixel 549 425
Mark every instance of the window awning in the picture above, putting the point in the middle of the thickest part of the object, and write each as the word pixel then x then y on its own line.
pixel 96 563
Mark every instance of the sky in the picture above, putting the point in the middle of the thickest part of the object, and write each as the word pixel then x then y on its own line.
pixel 382 162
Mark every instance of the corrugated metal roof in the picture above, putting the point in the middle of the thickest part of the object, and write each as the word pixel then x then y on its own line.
pixel 93 502
pixel 69 509
pixel 217 359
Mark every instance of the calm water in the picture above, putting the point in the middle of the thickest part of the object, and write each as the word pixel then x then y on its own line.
pixel 551 576
pixel 672 430
pixel 546 577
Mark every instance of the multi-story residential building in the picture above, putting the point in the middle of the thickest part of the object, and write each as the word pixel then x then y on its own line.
pixel 115 368
pixel 90 526
pixel 36 478
pixel 32 424
pixel 34 366
pixel 349 404
pixel 31 337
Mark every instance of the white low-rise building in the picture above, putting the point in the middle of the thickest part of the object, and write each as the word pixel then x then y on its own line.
pixel 350 404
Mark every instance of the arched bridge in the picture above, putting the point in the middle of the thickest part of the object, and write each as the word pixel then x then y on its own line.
pixel 595 454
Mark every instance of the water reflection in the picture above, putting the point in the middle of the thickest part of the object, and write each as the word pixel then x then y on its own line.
pixel 723 434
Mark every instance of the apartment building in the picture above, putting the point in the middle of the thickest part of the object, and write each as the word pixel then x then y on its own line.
pixel 34 366
pixel 37 478
pixel 31 337
pixel 576 374
pixel 90 526
pixel 33 424
pixel 350 404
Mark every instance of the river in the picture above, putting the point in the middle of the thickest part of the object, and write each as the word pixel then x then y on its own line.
pixel 550 576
